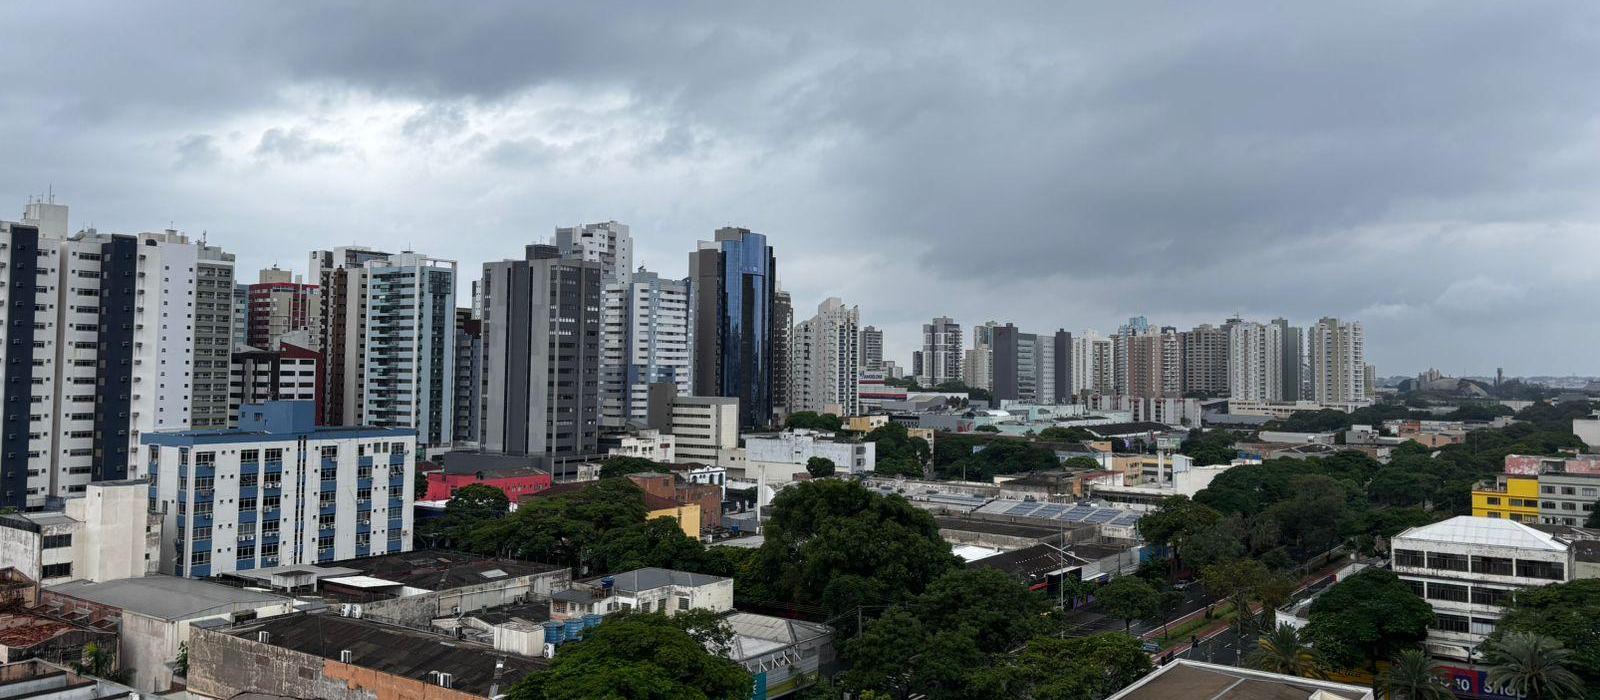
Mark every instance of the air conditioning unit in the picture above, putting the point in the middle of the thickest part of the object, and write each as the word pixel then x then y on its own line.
pixel 345 656
pixel 446 680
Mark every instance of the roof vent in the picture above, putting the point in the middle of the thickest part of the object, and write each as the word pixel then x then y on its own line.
pixel 264 637
pixel 446 680
pixel 345 656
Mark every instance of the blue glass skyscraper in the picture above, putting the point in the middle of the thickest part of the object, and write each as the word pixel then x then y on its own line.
pixel 734 281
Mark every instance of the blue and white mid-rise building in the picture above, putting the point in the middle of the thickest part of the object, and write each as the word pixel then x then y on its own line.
pixel 279 490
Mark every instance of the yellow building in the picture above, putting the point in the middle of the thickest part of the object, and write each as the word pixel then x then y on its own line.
pixel 1511 497
pixel 688 515
pixel 865 424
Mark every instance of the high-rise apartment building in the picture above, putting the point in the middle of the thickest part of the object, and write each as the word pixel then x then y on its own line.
pixel 279 491
pixel 241 314
pixel 341 274
pixel 1024 366
pixel 608 244
pixel 280 304
pixel 734 283
pixel 782 330
pixel 1060 390
pixel 1293 361
pixel 468 378
pixel 823 361
pixel 1153 364
pixel 977 363
pixel 1205 360
pixel 1122 353
pixel 288 373
pixel 644 340
pixel 1092 371
pixel 1337 360
pixel 408 367
pixel 104 337
pixel 1255 362
pixel 871 351
pixel 941 352
pixel 541 346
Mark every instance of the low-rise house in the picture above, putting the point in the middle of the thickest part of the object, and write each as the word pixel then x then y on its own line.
pixel 457 470
pixel 781 457
pixel 647 590
pixel 414 588
pixel 155 615
pixel 331 657
pixel 706 500
pixel 650 444
pixel 36 679
pixel 106 533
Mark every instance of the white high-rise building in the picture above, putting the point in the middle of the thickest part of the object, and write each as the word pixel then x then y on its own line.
pixel 941 352
pixel 1092 370
pixel 644 340
pixel 1337 352
pixel 823 363
pixel 1255 361
pixel 871 349
pixel 104 337
pixel 607 243
pixel 408 348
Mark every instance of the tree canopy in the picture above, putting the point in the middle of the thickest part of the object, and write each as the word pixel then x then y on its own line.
pixel 811 420
pixel 820 467
pixel 637 655
pixel 623 466
pixel 1066 669
pixel 1208 447
pixel 1566 612
pixel 981 457
pixel 897 453
pixel 834 543
pixel 1369 617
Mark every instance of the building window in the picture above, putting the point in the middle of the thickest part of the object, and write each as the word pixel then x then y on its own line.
pixel 246 552
pixel 325 522
pixel 1549 571
pixel 56 570
pixel 1408 557
pixel 271 502
pixel 1447 591
pixel 247 504
pixel 1451 623
pixel 1482 595
pixel 200 558
pixel 249 456
pixel 1495 566
pixel 1415 586
pixel 1447 562
pixel 325 499
pixel 1492 500
pixel 275 454
pixel 57 541
pixel 330 451
pixel 683 603
pixel 248 481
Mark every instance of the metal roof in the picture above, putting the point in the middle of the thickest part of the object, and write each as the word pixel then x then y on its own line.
pixel 1495 532
pixel 168 597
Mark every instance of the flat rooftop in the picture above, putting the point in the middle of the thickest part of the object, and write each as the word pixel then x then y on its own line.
pixel 991 527
pixel 1191 679
pixel 652 578
pixel 398 651
pixel 438 570
pixel 168 597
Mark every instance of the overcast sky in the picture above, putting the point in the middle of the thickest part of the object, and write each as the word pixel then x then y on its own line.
pixel 1430 169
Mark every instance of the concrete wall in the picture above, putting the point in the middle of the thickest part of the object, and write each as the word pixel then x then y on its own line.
pixel 20 549
pixel 222 666
pixel 419 610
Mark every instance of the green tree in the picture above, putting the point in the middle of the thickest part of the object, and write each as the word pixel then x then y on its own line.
pixel 419 486
pixel 1176 523
pixel 1066 669
pixel 659 542
pixel 1368 617
pixel 1284 650
pixel 1240 581
pixel 1081 464
pixel 820 467
pixel 636 655
pixel 615 467
pixel 470 508
pixel 811 420
pixel 986 429
pixel 1413 676
pixel 897 453
pixel 835 543
pixel 1567 612
pixel 1129 598
pixel 561 529
pixel 1531 666
pixel 1594 516
pixel 1208 447
pixel 1059 434
pixel 101 662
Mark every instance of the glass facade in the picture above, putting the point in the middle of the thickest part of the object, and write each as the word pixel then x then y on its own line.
pixel 748 282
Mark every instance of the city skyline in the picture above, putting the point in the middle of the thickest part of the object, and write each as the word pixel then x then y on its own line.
pixel 1065 181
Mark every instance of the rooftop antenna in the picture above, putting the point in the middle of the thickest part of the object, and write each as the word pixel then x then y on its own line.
pixel 51 188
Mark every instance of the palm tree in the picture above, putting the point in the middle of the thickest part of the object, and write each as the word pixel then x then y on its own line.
pixel 1412 676
pixel 1532 666
pixel 1283 650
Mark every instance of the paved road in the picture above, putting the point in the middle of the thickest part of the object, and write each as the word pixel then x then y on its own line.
pixel 1090 619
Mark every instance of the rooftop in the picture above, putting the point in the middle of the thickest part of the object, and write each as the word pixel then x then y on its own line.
pixel 438 570
pixel 397 651
pixel 168 597
pixel 488 464
pixel 1495 532
pixel 1067 512
pixel 1030 563
pixel 21 629
pixel 653 578
pixel 990 527
pixel 757 635
pixel 1191 679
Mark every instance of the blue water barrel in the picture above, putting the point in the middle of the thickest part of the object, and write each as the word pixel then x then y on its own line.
pixel 553 633
pixel 591 620
pixel 574 630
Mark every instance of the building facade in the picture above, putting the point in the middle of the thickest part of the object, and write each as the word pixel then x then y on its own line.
pixel 644 340
pixel 1205 360
pixel 1092 367
pixel 941 352
pixel 871 352
pixel 541 339
pixel 120 335
pixel 1255 362
pixel 279 304
pixel 279 490
pixel 609 244
pixel 103 535
pixel 734 283
pixel 1337 360
pixel 823 362
pixel 341 274
pixel 468 379
pixel 290 373
pixel 408 364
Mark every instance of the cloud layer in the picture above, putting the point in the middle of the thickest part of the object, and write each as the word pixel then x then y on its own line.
pixel 1428 168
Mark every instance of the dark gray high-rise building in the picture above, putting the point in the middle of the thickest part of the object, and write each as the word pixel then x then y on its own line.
pixel 1205 360
pixel 1062 391
pixel 782 332
pixel 468 377
pixel 871 351
pixel 541 340
pixel 1294 357
pixel 736 323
